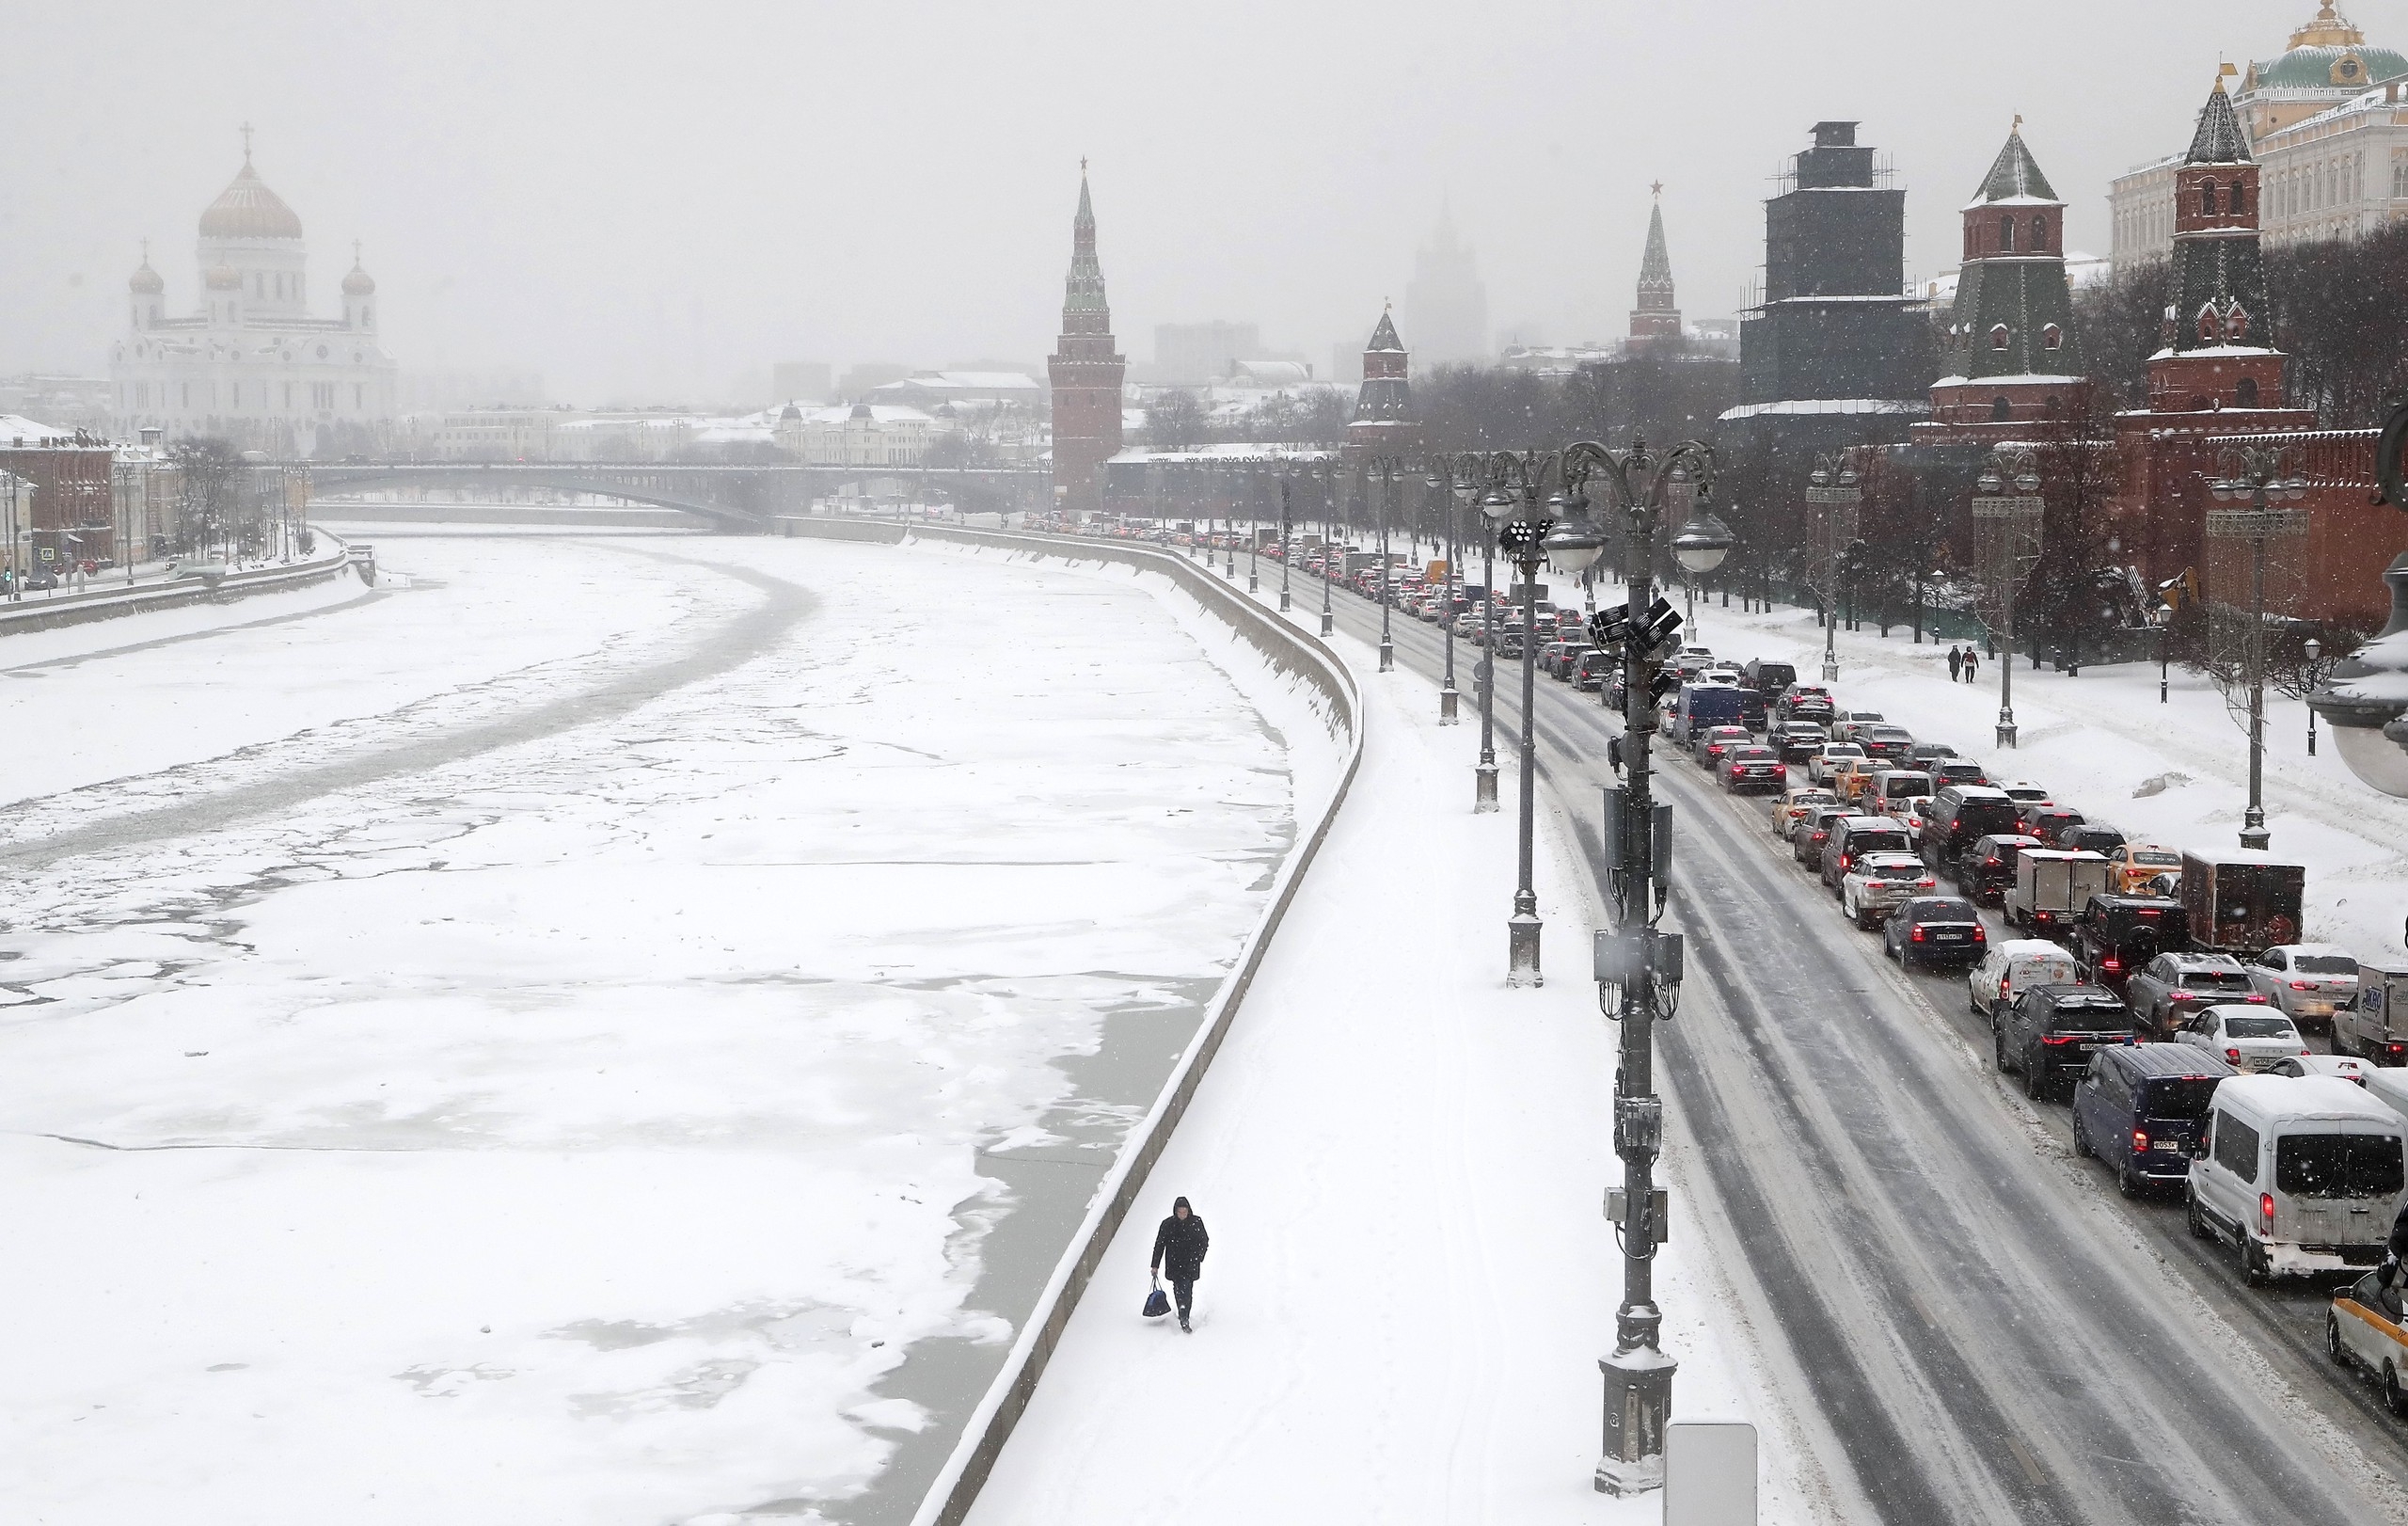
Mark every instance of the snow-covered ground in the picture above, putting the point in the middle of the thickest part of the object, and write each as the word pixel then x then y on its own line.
pixel 2175 773
pixel 596 1033
pixel 1402 1163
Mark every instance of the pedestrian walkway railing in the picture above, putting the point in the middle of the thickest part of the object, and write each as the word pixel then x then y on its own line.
pixel 1291 650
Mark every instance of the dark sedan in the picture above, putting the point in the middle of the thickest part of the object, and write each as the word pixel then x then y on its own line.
pixel 1935 930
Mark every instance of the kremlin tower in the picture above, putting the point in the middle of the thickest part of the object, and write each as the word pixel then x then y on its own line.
pixel 2216 372
pixel 1380 426
pixel 1657 317
pixel 1086 371
pixel 2010 349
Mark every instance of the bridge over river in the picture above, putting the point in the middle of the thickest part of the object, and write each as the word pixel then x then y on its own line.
pixel 733 497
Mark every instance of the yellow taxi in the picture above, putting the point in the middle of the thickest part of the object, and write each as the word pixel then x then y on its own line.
pixel 2136 867
pixel 1790 807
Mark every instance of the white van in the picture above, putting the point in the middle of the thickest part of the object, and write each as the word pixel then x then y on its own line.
pixel 2015 966
pixel 2302 1174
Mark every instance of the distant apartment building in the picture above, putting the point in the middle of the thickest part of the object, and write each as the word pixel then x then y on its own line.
pixel 860 435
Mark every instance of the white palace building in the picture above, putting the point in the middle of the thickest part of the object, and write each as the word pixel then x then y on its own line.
pixel 251 365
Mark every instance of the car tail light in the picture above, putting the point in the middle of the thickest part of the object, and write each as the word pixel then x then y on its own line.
pixel 2233 1055
pixel 1918 935
pixel 1992 861
pixel 2111 963
pixel 1926 884
pixel 2005 983
pixel 2256 996
pixel 2266 1212
pixel 2060 1038
pixel 1981 935
pixel 2044 917
pixel 2302 985
pixel 2305 1052
pixel 2140 1142
pixel 1843 860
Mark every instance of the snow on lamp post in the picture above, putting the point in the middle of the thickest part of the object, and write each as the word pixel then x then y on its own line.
pixel 2006 501
pixel 1832 488
pixel 1638 969
pixel 1386 469
pixel 2254 473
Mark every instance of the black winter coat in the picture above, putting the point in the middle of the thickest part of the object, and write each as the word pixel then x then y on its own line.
pixel 1179 1246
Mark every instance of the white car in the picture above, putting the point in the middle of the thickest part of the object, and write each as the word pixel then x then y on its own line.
pixel 1717 678
pixel 2024 792
pixel 2249 1038
pixel 2013 967
pixel 1876 885
pixel 1819 766
pixel 2347 1067
pixel 2307 979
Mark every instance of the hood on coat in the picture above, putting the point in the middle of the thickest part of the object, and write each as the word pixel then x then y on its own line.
pixel 1178 1204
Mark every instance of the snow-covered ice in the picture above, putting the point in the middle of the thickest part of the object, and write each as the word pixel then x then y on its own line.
pixel 548 1042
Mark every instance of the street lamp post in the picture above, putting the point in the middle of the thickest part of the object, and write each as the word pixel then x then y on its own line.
pixel 1453 478
pixel 1483 773
pixel 1386 467
pixel 2318 672
pixel 1287 545
pixel 1639 968
pixel 1699 548
pixel 1520 522
pixel 2017 518
pixel 1832 488
pixel 1330 560
pixel 2258 475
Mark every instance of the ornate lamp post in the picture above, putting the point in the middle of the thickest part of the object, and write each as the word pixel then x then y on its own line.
pixel 2015 519
pixel 1832 488
pixel 1521 522
pixel 2256 473
pixel 1386 469
pixel 2314 677
pixel 1330 560
pixel 1451 477
pixel 1493 505
pixel 1639 968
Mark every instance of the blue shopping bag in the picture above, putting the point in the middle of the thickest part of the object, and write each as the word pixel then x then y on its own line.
pixel 1157 1303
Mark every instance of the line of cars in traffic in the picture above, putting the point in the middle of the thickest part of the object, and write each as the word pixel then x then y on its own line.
pixel 2159 994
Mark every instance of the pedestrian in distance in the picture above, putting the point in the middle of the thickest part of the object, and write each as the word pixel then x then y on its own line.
pixel 1178 1252
pixel 1972 662
pixel 1955 665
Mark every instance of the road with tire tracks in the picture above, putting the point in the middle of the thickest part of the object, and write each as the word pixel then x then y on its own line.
pixel 1973 1324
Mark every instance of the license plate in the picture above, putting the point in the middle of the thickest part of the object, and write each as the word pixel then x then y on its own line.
pixel 1948 937
pixel 2316 1008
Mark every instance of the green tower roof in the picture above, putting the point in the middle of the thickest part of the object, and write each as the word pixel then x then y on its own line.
pixel 2015 176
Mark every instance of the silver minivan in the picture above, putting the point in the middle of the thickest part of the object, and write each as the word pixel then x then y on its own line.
pixel 2300 1174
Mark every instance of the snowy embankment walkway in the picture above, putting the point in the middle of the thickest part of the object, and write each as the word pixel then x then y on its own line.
pixel 2175 773
pixel 1402 1164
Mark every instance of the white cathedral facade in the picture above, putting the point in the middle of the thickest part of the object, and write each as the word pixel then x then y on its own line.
pixel 252 366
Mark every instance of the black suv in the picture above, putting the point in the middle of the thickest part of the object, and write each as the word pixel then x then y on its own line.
pixel 1988 868
pixel 2117 935
pixel 1805 702
pixel 1771 680
pixel 2050 1033
pixel 1958 815
pixel 1934 929
pixel 2092 837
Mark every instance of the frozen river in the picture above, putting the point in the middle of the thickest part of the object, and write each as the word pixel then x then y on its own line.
pixel 602 1030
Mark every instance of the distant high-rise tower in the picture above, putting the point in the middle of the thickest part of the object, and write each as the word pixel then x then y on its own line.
pixel 1086 371
pixel 2010 351
pixel 1657 317
pixel 1380 425
pixel 1444 301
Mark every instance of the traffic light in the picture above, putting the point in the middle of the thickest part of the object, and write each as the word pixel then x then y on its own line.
pixel 1662 627
pixel 1608 628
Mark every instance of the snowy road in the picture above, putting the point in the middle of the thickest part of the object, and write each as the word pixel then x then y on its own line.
pixel 1967 1319
pixel 604 1032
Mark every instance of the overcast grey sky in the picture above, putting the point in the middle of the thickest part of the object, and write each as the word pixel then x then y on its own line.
pixel 651 200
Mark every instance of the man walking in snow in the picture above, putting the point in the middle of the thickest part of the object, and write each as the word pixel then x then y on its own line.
pixel 1955 665
pixel 1973 661
pixel 1178 1250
